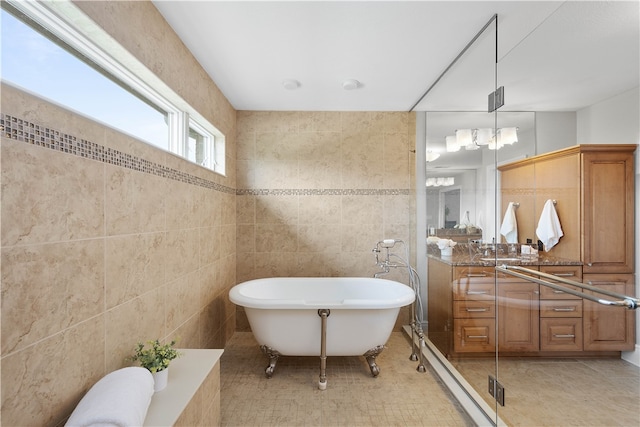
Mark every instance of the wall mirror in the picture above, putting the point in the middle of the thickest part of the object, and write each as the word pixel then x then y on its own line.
pixel 469 169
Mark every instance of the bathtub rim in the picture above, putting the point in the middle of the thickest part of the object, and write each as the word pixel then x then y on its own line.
pixel 406 296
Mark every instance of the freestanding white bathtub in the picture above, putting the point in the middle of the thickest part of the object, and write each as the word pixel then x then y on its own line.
pixel 285 314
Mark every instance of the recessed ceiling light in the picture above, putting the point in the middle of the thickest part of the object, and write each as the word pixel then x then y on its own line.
pixel 290 84
pixel 351 84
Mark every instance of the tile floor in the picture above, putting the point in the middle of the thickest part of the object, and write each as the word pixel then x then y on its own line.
pixel 399 396
pixel 561 392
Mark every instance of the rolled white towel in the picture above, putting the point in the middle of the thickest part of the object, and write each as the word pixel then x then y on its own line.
pixel 120 398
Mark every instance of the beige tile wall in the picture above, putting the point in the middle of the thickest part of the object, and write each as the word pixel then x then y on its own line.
pixel 317 190
pixel 97 255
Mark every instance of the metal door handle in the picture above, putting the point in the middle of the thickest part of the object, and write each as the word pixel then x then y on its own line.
pixel 626 301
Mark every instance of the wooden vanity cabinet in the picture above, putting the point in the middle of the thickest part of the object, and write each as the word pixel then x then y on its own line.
pixel 593 186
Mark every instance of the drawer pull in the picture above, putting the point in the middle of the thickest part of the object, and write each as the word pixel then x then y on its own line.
pixel 477 336
pixel 564 309
pixel 559 292
pixel 570 274
pixel 477 292
pixel 476 275
pixel 477 310
pixel 564 335
pixel 607 282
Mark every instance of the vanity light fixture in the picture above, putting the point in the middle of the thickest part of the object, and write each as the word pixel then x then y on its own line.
pixel 290 84
pixel 452 144
pixel 472 139
pixel 440 181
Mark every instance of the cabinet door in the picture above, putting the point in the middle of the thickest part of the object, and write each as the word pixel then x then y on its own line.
pixel 608 206
pixel 605 327
pixel 518 317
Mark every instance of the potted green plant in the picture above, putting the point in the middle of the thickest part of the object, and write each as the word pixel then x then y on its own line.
pixel 156 358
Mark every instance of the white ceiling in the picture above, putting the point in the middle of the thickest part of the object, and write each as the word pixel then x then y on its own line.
pixel 552 55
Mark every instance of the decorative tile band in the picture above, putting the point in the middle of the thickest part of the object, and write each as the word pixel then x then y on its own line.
pixel 323 192
pixel 30 133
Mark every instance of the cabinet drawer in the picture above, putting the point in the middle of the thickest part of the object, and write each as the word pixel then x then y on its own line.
pixel 474 335
pixel 475 273
pixel 561 334
pixel 570 272
pixel 474 309
pixel 560 308
pixel 476 290
pixel 484 273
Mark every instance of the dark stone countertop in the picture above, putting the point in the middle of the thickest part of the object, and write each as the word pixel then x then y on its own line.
pixel 470 255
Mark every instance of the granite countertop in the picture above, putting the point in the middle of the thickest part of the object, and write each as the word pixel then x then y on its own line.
pixel 463 254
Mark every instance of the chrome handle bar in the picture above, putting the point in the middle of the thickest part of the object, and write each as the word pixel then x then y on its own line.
pixel 626 301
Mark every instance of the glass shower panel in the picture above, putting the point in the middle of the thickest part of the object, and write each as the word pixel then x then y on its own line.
pixel 461 189
pixel 511 340
pixel 551 370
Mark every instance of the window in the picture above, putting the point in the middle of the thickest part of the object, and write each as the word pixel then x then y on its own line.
pixel 45 54
pixel 199 147
pixel 37 64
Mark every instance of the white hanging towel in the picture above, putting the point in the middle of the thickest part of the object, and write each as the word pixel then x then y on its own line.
pixel 549 230
pixel 509 227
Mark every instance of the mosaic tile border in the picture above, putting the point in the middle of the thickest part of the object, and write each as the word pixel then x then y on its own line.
pixel 324 192
pixel 24 131
pixel 31 133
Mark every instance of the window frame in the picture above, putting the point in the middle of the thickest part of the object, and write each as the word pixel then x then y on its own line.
pixel 64 21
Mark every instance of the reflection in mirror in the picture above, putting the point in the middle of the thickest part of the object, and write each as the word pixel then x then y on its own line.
pixel 471 168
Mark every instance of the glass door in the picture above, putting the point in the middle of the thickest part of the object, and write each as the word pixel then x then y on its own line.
pixel 496 183
pixel 559 353
pixel 461 204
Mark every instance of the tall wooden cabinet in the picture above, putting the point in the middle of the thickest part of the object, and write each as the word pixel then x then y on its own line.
pixel 593 186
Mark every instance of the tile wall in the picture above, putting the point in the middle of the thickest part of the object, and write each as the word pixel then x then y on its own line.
pixel 106 241
pixel 317 190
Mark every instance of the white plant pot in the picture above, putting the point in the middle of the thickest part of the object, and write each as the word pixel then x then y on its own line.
pixel 160 379
pixel 448 251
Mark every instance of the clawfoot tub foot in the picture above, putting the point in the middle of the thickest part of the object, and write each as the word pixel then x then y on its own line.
pixel 371 355
pixel 273 359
